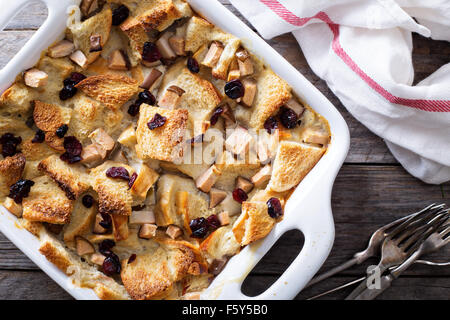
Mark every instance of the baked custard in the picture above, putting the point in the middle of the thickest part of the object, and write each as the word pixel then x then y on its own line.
pixel 148 147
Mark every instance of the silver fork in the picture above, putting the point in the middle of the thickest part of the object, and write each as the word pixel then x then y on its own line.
pixel 373 249
pixel 404 240
pixel 434 242
pixel 348 284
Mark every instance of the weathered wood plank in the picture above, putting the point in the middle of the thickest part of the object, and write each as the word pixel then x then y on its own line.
pixel 404 288
pixel 364 198
pixel 29 285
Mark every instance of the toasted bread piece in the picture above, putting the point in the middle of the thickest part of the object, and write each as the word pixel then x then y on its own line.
pixel 200 98
pixel 179 201
pixel 197 33
pixel 49 117
pixel 272 93
pixel 220 243
pixel 200 32
pixel 99 24
pixel 292 164
pixel 89 114
pixel 114 195
pixel 160 143
pixel 152 274
pixel 232 169
pixel 17 99
pixel 72 179
pixel 112 90
pixel 35 151
pixel 151 14
pixel 254 223
pixel 11 169
pixel 80 222
pixel 57 70
pixel 47 203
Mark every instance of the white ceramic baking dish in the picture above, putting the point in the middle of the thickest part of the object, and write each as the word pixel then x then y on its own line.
pixel 308 209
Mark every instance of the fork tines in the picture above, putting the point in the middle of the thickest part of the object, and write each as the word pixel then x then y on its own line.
pixel 416 229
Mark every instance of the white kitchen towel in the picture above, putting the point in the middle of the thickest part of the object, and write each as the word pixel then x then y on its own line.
pixel 362 49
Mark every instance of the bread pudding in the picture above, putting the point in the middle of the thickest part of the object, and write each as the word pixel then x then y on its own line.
pixel 148 147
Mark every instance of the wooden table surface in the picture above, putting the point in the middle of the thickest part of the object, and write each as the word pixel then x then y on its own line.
pixel 371 190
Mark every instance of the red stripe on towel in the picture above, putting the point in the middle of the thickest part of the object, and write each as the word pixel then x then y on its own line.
pixel 421 104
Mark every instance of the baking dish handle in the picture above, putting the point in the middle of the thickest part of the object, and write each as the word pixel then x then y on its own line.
pixel 311 214
pixel 30 53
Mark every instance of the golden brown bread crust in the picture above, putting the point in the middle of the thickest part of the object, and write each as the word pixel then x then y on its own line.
pixel 254 223
pixel 55 256
pixel 35 151
pixel 292 164
pixel 153 274
pixel 89 114
pixel 81 221
pixel 47 203
pixel 17 99
pixel 114 195
pixel 152 15
pixel 112 90
pixel 11 169
pixel 99 24
pixel 201 97
pixel 71 179
pixel 160 143
pixel 272 93
pixel 49 117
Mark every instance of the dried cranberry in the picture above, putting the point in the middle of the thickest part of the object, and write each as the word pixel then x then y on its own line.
pixel 71 159
pixel 151 52
pixel 106 223
pixel 192 65
pixel 73 149
pixel 20 190
pixel 274 208
pixel 213 222
pixel 239 195
pixel 118 173
pixel 199 227
pixel 132 258
pixel 216 114
pixel 77 77
pixel 105 247
pixel 72 145
pixel 9 144
pixel 288 117
pixel 67 92
pixel 30 122
pixel 88 201
pixel 157 121
pixel 234 89
pixel 39 137
pixel 132 180
pixel 146 97
pixel 133 109
pixel 270 124
pixel 61 131
pixel 120 14
pixel 111 265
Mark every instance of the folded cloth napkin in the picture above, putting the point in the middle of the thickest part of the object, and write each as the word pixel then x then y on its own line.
pixel 362 49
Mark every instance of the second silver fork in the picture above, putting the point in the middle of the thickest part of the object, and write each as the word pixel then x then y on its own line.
pixel 403 241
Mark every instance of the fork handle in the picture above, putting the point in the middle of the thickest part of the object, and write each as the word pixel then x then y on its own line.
pixel 333 271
